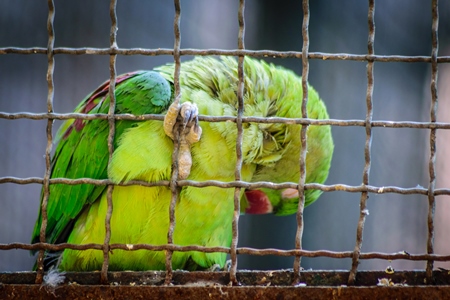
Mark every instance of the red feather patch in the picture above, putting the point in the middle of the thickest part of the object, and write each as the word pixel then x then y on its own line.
pixel 258 202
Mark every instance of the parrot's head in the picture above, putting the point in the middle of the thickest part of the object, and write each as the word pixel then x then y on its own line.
pixel 264 201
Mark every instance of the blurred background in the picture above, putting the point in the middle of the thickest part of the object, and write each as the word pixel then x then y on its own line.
pixel 402 93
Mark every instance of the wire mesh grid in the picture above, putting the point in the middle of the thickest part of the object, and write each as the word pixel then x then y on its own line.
pixel 175 185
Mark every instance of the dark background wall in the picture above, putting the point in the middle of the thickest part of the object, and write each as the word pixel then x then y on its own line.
pixel 401 92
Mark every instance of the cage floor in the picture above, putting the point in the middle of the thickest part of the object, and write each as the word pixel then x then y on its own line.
pixel 215 285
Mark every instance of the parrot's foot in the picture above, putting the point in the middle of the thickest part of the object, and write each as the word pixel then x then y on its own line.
pixel 227 266
pixel 182 121
pixel 214 268
pixel 217 268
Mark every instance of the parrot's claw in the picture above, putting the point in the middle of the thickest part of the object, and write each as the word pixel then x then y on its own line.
pixel 214 268
pixel 183 120
pixel 185 115
pixel 188 113
pixel 218 268
pixel 188 116
pixel 227 266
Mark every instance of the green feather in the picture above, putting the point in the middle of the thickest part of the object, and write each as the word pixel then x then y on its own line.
pixel 143 152
pixel 82 151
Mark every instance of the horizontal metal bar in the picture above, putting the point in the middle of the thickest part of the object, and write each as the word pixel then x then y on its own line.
pixel 299 121
pixel 234 184
pixel 240 251
pixel 205 52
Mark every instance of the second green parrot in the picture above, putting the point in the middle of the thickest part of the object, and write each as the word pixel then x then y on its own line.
pixel 143 151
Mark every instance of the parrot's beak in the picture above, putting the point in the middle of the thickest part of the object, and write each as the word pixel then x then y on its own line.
pixel 289 193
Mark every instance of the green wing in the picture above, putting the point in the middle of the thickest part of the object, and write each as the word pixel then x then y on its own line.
pixel 82 150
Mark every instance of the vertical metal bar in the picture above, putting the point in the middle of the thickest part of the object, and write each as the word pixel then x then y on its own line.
pixel 173 181
pixel 112 129
pixel 303 140
pixel 367 148
pixel 238 168
pixel 433 118
pixel 48 148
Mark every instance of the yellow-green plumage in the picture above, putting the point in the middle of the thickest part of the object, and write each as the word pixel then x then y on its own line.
pixel 144 152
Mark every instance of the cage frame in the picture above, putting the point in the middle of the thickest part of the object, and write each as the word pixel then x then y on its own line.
pixel 224 285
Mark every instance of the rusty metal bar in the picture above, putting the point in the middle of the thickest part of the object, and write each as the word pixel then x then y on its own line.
pixel 433 118
pixel 239 137
pixel 111 133
pixel 209 52
pixel 367 147
pixel 225 292
pixel 48 148
pixel 241 250
pixel 233 184
pixel 174 188
pixel 245 119
pixel 303 140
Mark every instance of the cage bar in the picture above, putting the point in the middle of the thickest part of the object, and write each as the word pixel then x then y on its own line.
pixel 49 130
pixel 209 52
pixel 110 140
pixel 175 190
pixel 303 140
pixel 239 137
pixel 433 132
pixel 368 144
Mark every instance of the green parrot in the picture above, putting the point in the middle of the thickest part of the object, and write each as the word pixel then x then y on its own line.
pixel 143 151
